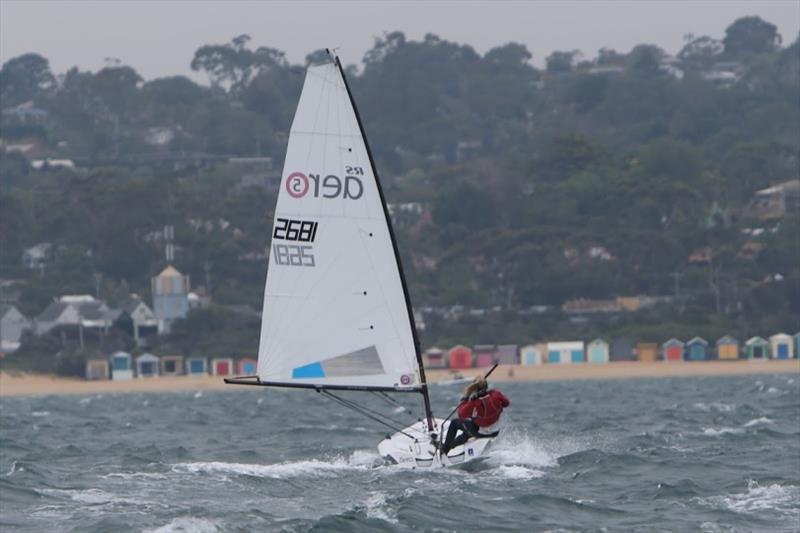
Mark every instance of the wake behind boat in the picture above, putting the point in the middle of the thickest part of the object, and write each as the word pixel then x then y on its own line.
pixel 337 313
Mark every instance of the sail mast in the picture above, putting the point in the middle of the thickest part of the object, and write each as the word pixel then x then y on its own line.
pixel 423 382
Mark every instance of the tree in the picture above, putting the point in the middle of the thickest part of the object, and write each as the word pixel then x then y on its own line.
pixel 751 35
pixel 701 51
pixel 233 64
pixel 511 54
pixel 24 78
pixel 560 61
pixel 645 59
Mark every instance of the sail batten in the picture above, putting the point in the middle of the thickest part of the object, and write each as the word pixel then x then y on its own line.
pixel 335 307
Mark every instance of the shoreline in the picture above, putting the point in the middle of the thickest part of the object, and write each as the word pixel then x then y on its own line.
pixel 44 385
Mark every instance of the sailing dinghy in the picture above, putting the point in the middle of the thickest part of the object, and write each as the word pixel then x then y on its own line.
pixel 337 315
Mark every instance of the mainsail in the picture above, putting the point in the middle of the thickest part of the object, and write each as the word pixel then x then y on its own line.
pixel 336 311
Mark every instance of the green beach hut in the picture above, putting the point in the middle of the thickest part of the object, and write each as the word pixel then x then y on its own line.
pixel 697 349
pixel 756 348
pixel 597 351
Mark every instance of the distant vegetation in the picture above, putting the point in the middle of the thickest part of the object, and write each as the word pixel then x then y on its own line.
pixel 593 178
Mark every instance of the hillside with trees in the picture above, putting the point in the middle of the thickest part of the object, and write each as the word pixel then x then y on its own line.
pixel 523 198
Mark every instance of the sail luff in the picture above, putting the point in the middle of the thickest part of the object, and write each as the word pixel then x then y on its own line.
pixel 412 322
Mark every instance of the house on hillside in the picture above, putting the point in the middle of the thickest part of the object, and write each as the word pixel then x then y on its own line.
pixel 25 113
pixel 775 202
pixel 37 256
pixel 82 311
pixel 12 325
pixel 138 320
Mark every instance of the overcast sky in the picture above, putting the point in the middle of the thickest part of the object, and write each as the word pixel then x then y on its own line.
pixel 159 38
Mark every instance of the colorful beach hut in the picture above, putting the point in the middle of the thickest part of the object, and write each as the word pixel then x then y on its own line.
pixel 121 366
pixel 434 358
pixel 565 352
pixel 222 366
pixel 459 357
pixel 531 355
pixel 171 365
pixel 97 368
pixel 147 366
pixel 727 348
pixel 623 349
pixel 697 349
pixel 646 352
pixel 781 346
pixel 484 355
pixel 756 348
pixel 196 366
pixel 507 354
pixel 597 351
pixel 672 350
pixel 247 366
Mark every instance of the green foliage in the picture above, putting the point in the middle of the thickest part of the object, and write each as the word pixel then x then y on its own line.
pixel 538 186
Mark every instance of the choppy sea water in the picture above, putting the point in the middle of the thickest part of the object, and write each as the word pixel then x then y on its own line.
pixel 688 454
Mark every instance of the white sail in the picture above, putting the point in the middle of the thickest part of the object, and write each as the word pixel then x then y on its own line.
pixel 335 311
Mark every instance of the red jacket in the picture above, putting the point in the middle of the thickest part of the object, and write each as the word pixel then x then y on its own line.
pixel 484 410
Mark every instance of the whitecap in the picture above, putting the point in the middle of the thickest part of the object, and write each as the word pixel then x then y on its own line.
pixel 757 421
pixel 517 472
pixel 376 506
pixel 716 432
pixel 283 470
pixel 198 394
pixel 774 498
pixel 40 413
pixel 186 524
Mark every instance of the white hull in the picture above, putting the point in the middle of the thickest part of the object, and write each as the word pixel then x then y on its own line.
pixel 413 446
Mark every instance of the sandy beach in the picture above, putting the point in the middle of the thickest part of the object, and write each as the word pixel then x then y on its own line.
pixel 39 385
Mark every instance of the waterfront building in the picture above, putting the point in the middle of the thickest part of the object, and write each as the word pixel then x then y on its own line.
pixel 646 351
pixel 565 352
pixel 756 348
pixel 597 351
pixel 197 366
pixel 696 349
pixel 121 366
pixel 247 366
pixel 147 366
pixel 171 365
pixel 222 366
pixel 484 355
pixel 97 368
pixel 672 350
pixel 459 356
pixel 531 355
pixel 781 346
pixel 727 348
pixel 507 354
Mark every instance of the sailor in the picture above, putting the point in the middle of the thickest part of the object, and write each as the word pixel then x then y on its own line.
pixel 478 414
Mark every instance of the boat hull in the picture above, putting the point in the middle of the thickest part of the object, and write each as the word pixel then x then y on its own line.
pixel 413 446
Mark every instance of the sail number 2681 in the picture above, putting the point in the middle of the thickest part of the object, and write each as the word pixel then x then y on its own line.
pixel 296 231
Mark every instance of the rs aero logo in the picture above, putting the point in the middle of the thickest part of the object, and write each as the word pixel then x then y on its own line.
pixel 298 185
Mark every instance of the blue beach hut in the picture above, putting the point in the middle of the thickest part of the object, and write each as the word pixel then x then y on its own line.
pixel 597 351
pixel 196 366
pixel 565 352
pixel 782 346
pixel 697 349
pixel 121 367
pixel 531 355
